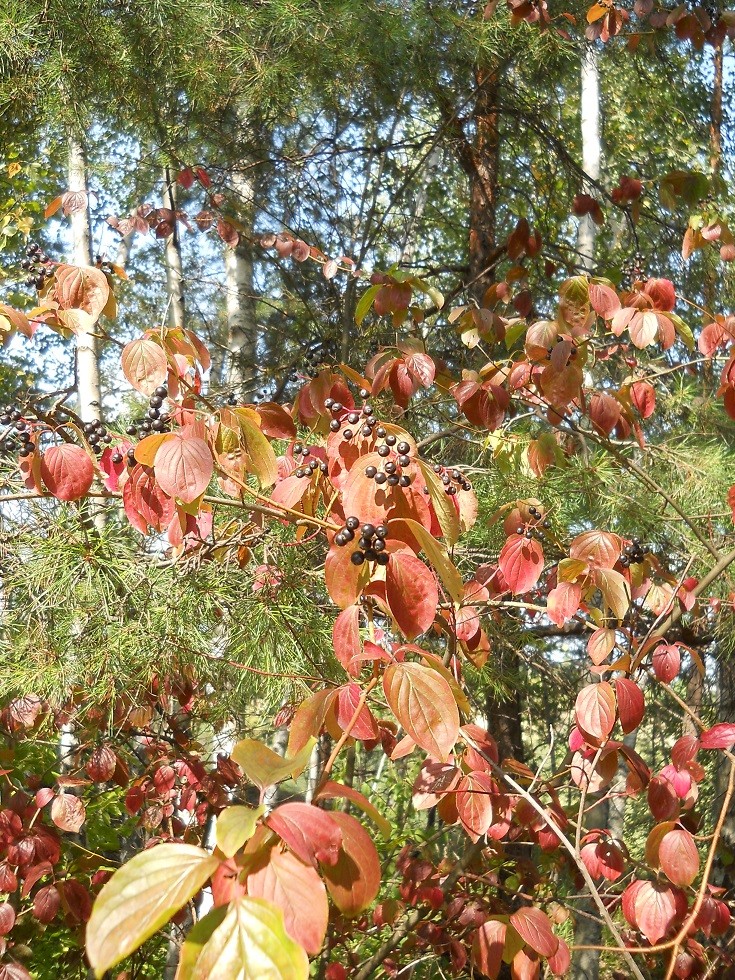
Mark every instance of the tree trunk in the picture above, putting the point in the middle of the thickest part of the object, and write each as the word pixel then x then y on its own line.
pixel 174 265
pixel 87 355
pixel 591 149
pixel 484 182
pixel 242 324
pixel 503 715
pixel 588 928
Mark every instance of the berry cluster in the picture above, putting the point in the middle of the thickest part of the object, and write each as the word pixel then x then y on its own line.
pixel 97 436
pixel 155 420
pixel 634 553
pixel 19 436
pixel 536 530
pixel 364 419
pixel 371 543
pixel 392 468
pixel 35 265
pixel 312 359
pixel 451 479
pixel 309 466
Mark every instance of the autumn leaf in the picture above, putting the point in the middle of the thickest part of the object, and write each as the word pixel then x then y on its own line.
pixel 67 471
pixel 422 701
pixel 183 467
pixel 141 897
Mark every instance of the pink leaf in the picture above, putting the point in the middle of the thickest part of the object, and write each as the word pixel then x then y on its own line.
pixel 595 711
pixel 721 736
pixel 184 467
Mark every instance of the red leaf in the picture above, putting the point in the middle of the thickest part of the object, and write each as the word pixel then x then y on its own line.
pixel 560 962
pixel 145 502
pixel 101 764
pixel 685 750
pixel 535 929
pixel 346 640
pixel 344 580
pixel 525 965
pixel 643 397
pixel 184 467
pixel 68 812
pixel 185 178
pixel 435 780
pixel 488 943
pixel 422 367
pixel 631 704
pixel 298 891
pixel 365 727
pixel 563 602
pixel 411 593
pixel 310 832
pixel 7 918
pixel 666 660
pixel 679 857
pixel 422 701
pixel 594 711
pixel 474 801
pixel 67 471
pixel 662 292
pixel 603 300
pixel 144 364
pixel 604 412
pixel 81 288
pixel 354 881
pixel 521 562
pixel 14 971
pixel 46 903
pixel 657 906
pixel 721 736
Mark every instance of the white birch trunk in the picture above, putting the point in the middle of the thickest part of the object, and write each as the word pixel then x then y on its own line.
pixel 174 265
pixel 591 149
pixel 588 930
pixel 87 355
pixel 242 325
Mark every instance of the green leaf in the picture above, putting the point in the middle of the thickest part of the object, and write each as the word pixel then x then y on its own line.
pixel 251 943
pixel 513 332
pixel 683 330
pixel 264 767
pixel 364 304
pixel 262 458
pixel 446 512
pixel 141 897
pixel 235 825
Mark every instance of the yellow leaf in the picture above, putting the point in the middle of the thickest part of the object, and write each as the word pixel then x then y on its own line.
pixel 141 897
pixel 235 826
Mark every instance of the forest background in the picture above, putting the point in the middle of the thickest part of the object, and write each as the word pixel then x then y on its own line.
pixel 483 153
